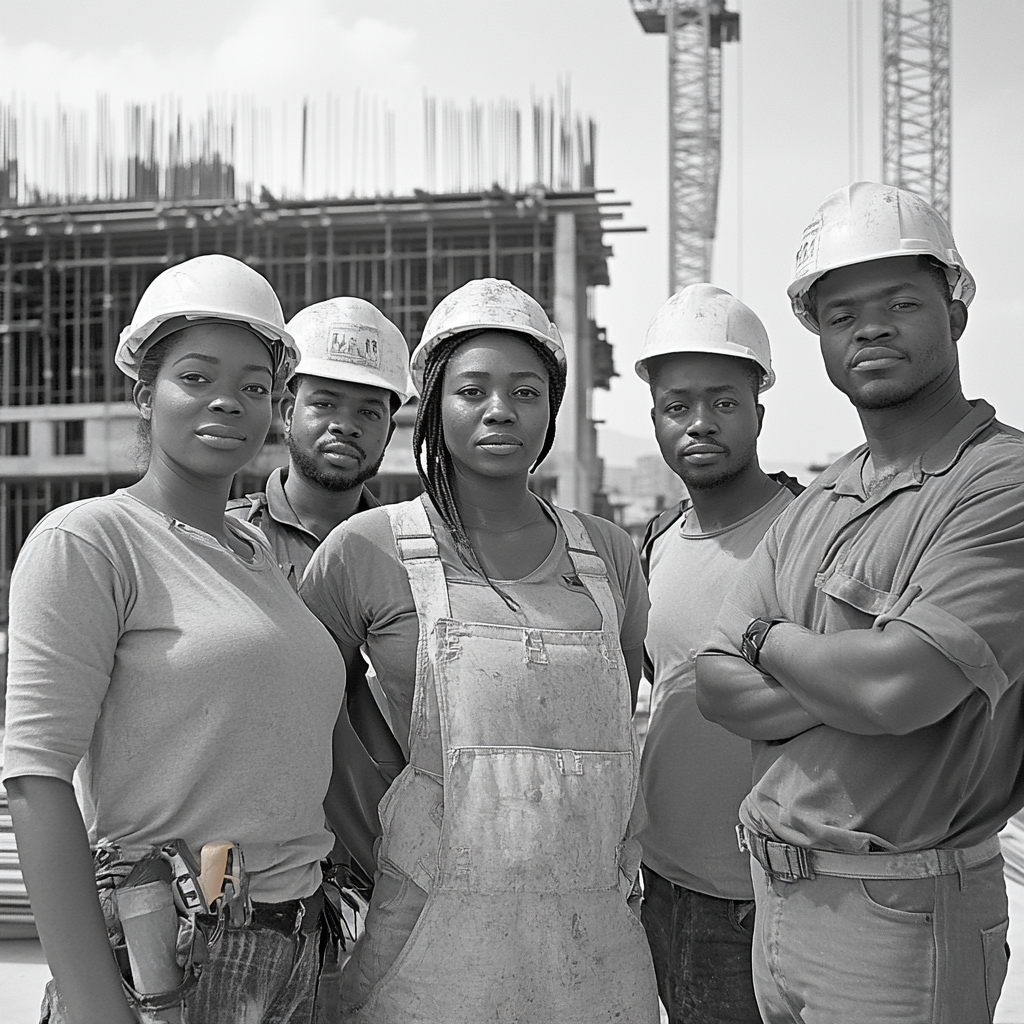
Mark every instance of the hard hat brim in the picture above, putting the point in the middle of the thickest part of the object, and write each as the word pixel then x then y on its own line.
pixel 767 374
pixel 963 289
pixel 134 344
pixel 328 370
pixel 424 348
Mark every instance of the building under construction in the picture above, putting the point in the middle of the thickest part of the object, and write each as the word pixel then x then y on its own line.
pixel 71 276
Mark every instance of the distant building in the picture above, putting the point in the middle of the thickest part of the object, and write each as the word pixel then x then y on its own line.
pixel 71 275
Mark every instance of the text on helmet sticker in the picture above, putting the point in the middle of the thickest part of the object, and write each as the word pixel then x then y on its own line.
pixel 354 343
pixel 807 254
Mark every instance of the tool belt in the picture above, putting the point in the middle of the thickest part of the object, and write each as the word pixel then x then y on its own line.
pixel 784 862
pixel 197 931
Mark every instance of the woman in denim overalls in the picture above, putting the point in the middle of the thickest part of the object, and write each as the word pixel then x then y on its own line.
pixel 494 620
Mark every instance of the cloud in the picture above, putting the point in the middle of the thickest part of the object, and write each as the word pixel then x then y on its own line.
pixel 280 51
pixel 275 57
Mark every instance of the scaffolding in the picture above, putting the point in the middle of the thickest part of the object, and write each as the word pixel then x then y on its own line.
pixel 71 276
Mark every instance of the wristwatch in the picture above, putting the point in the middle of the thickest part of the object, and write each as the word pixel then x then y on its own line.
pixel 754 637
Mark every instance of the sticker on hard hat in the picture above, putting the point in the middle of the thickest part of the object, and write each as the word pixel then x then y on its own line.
pixel 807 254
pixel 354 343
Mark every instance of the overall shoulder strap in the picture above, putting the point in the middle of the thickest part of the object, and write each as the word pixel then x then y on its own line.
pixel 589 566
pixel 417 548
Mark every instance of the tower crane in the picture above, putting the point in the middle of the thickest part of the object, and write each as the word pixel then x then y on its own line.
pixel 915 98
pixel 696 30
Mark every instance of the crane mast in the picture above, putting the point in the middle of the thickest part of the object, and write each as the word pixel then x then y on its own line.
pixel 696 31
pixel 915 98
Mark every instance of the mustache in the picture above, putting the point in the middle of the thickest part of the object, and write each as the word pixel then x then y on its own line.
pixel 326 446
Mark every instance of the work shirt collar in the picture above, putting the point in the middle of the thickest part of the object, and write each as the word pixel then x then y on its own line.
pixel 845 476
pixel 279 508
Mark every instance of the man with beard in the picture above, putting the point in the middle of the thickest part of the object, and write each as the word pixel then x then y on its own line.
pixel 872 650
pixel 338 411
pixel 706 357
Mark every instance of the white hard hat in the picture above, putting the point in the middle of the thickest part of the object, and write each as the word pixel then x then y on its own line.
pixel 868 221
pixel 202 289
pixel 703 318
pixel 486 304
pixel 350 339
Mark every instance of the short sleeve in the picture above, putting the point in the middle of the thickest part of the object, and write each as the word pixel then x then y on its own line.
pixel 328 589
pixel 66 616
pixel 623 561
pixel 350 582
pixel 752 595
pixel 972 589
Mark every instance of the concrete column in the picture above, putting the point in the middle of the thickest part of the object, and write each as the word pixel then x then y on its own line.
pixel 572 490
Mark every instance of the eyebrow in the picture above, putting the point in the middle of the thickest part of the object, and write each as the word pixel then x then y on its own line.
pixel 715 389
pixel 331 393
pixel 893 289
pixel 515 374
pixel 249 367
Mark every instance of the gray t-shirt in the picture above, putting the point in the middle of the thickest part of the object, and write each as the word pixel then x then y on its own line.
pixel 694 773
pixel 357 586
pixel 191 690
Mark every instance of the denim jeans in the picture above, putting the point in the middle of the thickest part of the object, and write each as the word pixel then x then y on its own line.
pixel 253 976
pixel 701 948
pixel 894 951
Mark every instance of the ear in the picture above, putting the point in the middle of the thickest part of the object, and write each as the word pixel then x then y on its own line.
pixel 142 396
pixel 287 407
pixel 760 417
pixel 391 430
pixel 654 419
pixel 957 319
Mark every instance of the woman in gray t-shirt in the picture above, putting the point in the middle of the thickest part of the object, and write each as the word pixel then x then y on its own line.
pixel 158 655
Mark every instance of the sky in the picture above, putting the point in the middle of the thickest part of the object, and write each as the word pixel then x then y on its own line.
pixel 786 141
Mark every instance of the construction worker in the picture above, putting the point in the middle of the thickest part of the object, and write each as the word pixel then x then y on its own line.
pixel 158 655
pixel 338 411
pixel 707 359
pixel 507 636
pixel 872 650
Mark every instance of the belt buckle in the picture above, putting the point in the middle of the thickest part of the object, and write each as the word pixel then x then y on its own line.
pixel 741 839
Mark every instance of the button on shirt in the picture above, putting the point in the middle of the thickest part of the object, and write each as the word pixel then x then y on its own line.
pixel 952 524
pixel 271 511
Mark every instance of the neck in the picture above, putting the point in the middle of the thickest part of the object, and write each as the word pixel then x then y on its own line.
pixel 897 436
pixel 719 507
pixel 494 504
pixel 197 501
pixel 318 509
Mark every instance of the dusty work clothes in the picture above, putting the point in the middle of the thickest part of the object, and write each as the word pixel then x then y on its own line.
pixel 518 834
pixel 271 511
pixel 885 951
pixel 950 524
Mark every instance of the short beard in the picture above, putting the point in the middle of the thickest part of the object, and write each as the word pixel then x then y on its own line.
pixel 309 468
pixel 705 482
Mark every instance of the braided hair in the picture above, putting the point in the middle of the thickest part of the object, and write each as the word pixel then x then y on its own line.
pixel 439 472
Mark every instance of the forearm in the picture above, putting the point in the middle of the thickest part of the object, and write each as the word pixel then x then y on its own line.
pixel 738 697
pixel 867 681
pixel 634 659
pixel 58 870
